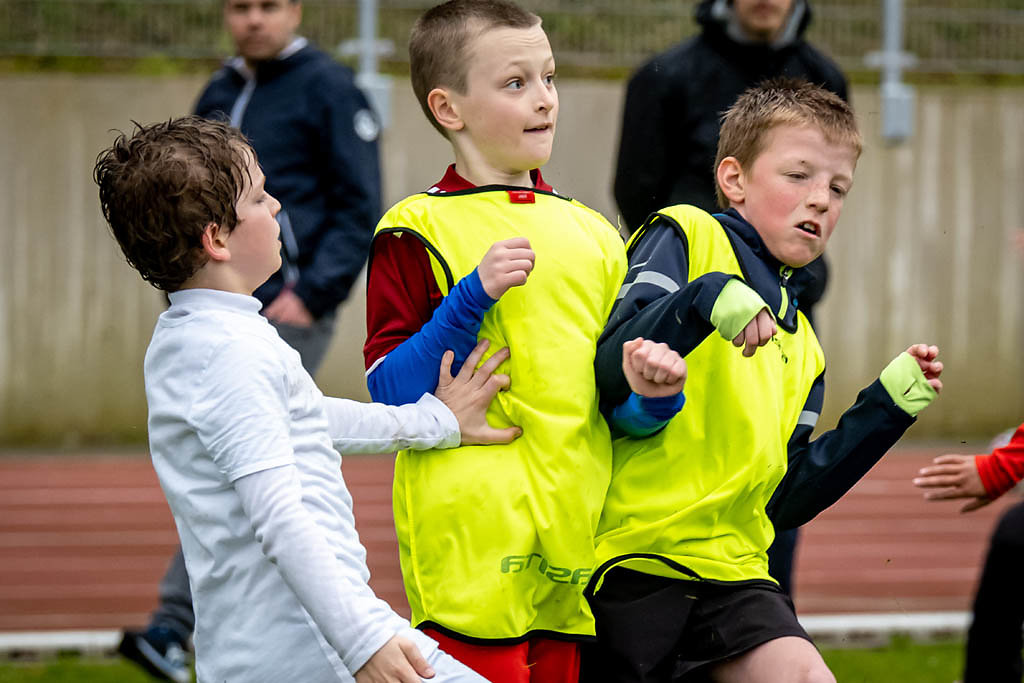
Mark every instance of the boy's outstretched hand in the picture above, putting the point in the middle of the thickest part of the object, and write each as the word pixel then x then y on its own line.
pixel 653 369
pixel 925 356
pixel 758 332
pixel 399 661
pixel 953 476
pixel 469 393
pixel 506 264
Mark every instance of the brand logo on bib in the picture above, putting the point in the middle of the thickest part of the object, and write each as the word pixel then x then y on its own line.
pixel 513 564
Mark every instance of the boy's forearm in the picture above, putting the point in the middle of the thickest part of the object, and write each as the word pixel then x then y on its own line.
pixel 821 471
pixel 357 427
pixel 411 368
pixel 1002 469
pixel 334 592
pixel 641 416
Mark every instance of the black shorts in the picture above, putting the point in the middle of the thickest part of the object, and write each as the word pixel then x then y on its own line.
pixel 654 629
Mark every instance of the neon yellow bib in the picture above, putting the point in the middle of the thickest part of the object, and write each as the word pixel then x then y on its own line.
pixel 496 542
pixel 691 499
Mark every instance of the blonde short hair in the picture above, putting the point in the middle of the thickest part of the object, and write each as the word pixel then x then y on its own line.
pixel 440 39
pixel 781 101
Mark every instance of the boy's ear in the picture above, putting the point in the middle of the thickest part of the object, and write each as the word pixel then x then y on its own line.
pixel 731 180
pixel 215 242
pixel 445 111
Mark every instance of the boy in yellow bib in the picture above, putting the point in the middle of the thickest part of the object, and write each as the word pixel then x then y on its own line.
pixel 682 590
pixel 497 543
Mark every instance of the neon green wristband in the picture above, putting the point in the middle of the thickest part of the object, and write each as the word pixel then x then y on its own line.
pixel 906 384
pixel 736 305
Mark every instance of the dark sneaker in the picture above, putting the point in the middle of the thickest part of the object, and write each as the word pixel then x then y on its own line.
pixel 159 651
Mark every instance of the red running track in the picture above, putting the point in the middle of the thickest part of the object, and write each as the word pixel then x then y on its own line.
pixel 84 540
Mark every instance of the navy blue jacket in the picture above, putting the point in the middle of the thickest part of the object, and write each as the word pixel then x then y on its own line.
pixel 316 139
pixel 819 471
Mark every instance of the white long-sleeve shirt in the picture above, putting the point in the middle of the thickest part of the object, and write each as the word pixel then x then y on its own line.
pixel 247 452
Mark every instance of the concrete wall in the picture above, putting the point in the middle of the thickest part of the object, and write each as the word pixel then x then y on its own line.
pixel 922 252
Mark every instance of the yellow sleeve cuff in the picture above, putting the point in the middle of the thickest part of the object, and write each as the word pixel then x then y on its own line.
pixel 736 305
pixel 906 384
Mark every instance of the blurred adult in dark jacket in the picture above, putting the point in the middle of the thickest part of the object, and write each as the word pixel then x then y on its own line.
pixel 316 139
pixel 671 119
pixel 674 102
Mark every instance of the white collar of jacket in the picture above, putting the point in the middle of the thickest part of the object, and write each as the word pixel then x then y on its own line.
pixel 722 11
pixel 238 62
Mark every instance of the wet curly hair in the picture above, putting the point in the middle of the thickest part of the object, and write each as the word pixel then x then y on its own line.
pixel 163 184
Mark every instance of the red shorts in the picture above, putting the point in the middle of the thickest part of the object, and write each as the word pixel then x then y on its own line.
pixel 538 660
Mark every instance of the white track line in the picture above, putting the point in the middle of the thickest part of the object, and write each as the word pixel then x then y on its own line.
pixel 92 642
pixel 830 629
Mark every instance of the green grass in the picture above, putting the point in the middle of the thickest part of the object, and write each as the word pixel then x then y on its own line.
pixel 903 661
pixel 72 669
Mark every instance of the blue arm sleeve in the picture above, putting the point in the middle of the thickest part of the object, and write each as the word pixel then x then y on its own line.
pixel 639 416
pixel 412 367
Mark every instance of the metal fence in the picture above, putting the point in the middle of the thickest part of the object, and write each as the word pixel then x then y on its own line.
pixel 945 36
pixel 921 253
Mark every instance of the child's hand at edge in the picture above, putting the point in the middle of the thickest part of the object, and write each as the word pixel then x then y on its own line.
pixel 469 393
pixel 758 332
pixel 506 264
pixel 953 476
pixel 925 356
pixel 653 369
pixel 399 661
